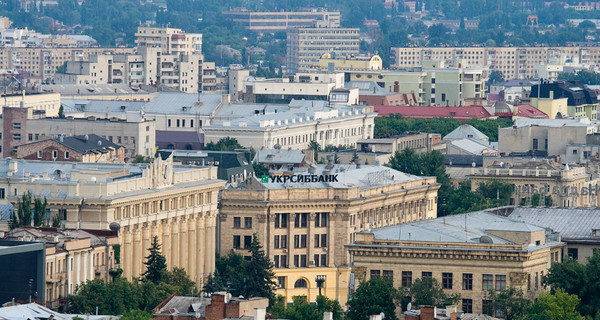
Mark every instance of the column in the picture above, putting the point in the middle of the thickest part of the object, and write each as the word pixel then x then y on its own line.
pixel 77 270
pixel 137 255
pixel 191 245
pixel 166 243
pixel 183 244
pixel 146 241
pixel 200 249
pixel 209 247
pixel 91 268
pixel 174 243
pixel 83 260
pixel 69 272
pixel 331 235
pixel 127 254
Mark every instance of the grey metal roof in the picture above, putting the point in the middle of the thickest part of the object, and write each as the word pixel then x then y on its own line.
pixel 570 223
pixel 525 122
pixel 466 131
pixel 91 89
pixel 101 106
pixel 286 156
pixel 368 88
pixel 34 311
pixel 183 103
pixel 88 143
pixel 460 228
pixel 185 305
pixel 474 147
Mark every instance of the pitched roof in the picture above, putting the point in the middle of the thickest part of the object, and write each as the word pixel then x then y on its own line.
pixel 87 143
pixel 279 156
pixel 529 111
pixel 571 223
pixel 428 112
pixel 466 131
pixel 474 147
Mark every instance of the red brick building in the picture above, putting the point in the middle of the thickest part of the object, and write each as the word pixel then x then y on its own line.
pixel 218 306
pixel 86 148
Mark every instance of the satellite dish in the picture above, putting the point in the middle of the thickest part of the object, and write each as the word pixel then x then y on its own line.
pixel 485 239
pixel 409 306
pixel 114 226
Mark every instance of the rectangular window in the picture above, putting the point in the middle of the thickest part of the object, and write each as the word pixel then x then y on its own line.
pixel 388 274
pixel 237 222
pixel 324 240
pixel 443 97
pixel 323 260
pixel 467 305
pixel 321 219
pixel 276 261
pixel 317 260
pixel 17 126
pixel 296 241
pixel 447 280
pixel 375 273
pixel 30 137
pixel 488 282
pixel 281 220
pixel 300 220
pixel 276 242
pixel 191 123
pixel 303 241
pixel 500 282
pixel 467 281
pixel 284 263
pixel 406 279
pixel 17 137
pixel 317 242
pixel 486 307
pixel 67 154
pixel 247 242
pixel 2 193
pixel 281 282
pixel 573 253
pixel 236 242
pixel 535 144
pixel 248 222
pixel 40 154
pixel 296 260
pixel 178 122
pixel 426 275
pixel 283 242
pixel 303 261
pixel 169 122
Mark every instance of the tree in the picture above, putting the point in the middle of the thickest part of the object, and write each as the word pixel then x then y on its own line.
pixel 313 145
pixel 61 112
pixel 300 309
pixel 136 315
pixel 179 278
pixel 495 77
pixel 141 159
pixel 428 291
pixel 156 264
pixel 260 282
pixel 39 211
pixel 56 220
pixel 373 297
pixel 557 306
pixel 224 144
pixel 510 302
pixel 260 169
pixel 22 217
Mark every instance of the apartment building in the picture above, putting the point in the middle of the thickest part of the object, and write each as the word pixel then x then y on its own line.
pixel 24 125
pixel 72 257
pixel 304 225
pixel 469 254
pixel 177 204
pixel 305 46
pixel 38 65
pixel 513 62
pixel 361 62
pixel 581 101
pixel 274 21
pixel 169 41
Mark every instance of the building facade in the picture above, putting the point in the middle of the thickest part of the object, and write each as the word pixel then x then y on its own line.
pixel 274 21
pixel 304 226
pixel 84 148
pixel 469 254
pixel 169 41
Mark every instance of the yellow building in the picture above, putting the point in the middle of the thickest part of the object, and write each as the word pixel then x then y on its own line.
pixel 350 63
pixel 554 108
pixel 176 203
pixel 469 254
pixel 303 225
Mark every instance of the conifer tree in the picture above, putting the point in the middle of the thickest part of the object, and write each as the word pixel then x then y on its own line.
pixel 156 263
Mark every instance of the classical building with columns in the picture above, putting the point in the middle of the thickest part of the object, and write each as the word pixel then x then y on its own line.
pixel 176 203
pixel 304 218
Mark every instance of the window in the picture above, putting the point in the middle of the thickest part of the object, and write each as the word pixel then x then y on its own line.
pixel 237 222
pixel 236 242
pixel 443 97
pixel 323 260
pixel 535 144
pixel 375 273
pixel 467 305
pixel 488 282
pixel 486 307
pixel 247 242
pixel 67 154
pixel 54 154
pixel 30 137
pixel 500 282
pixel 2 193
pixel 388 274
pixel 467 281
pixel 248 222
pixel 301 283
pixel 321 219
pixel 17 126
pixel 406 279
pixel 573 253
pixel 169 122
pixel 303 260
pixel 283 243
pixel 300 220
pixel 40 154
pixel 281 220
pixel 426 275
pixel 283 263
pixel 276 242
pixel 276 261
pixel 281 282
pixel 303 241
pixel 447 280
pixel 17 137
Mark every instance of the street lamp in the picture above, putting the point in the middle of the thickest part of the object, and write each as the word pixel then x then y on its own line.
pixel 320 279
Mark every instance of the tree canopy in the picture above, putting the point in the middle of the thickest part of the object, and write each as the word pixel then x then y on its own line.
pixel 300 309
pixel 156 263
pixel 557 306
pixel 224 144
pixel 373 297
pixel 428 291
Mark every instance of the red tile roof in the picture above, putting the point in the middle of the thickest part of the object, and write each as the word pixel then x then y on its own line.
pixel 427 112
pixel 529 111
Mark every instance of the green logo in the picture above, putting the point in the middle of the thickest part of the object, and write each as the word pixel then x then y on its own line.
pixel 264 179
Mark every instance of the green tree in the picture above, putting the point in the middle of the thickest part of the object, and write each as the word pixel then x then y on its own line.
pixel 495 77
pixel 56 220
pixel 22 217
pixel 260 281
pixel 300 309
pixel 313 145
pixel 373 297
pixel 510 302
pixel 180 279
pixel 61 112
pixel 137 315
pixel 557 306
pixel 156 263
pixel 224 144
pixel 39 211
pixel 428 291
pixel 260 169
pixel 141 159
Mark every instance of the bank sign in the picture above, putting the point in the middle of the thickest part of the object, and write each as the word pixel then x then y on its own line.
pixel 567 191
pixel 299 178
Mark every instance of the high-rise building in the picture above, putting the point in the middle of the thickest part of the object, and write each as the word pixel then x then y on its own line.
pixel 169 40
pixel 275 21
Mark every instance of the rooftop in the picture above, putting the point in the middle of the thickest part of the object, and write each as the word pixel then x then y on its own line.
pixel 571 223
pixel 33 311
pixel 466 131
pixel 427 112
pixel 287 156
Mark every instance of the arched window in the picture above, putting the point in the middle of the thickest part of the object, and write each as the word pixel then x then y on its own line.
pixel 300 283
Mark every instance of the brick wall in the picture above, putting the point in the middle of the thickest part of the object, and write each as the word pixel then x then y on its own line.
pixel 10 116
pixel 48 147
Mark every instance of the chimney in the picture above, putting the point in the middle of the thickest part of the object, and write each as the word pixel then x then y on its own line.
pixel 225 99
pixel 326 316
pixel 427 312
pixel 358 163
pixel 13 166
pixel 260 313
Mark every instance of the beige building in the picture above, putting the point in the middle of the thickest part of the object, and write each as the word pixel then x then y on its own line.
pixel 469 254
pixel 178 204
pixel 305 46
pixel 72 258
pixel 274 21
pixel 41 63
pixel 304 226
pixel 48 103
pixel 170 41
pixel 513 62
pixel 540 182
pixel 350 63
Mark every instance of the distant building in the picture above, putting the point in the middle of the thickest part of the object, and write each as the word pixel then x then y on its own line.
pixel 469 254
pixel 370 94
pixel 305 46
pixel 286 159
pixel 466 140
pixel 170 41
pixel 84 148
pixel 22 270
pixel 304 225
pixel 372 62
pixel 274 21
pixel 581 100
pixel 72 257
